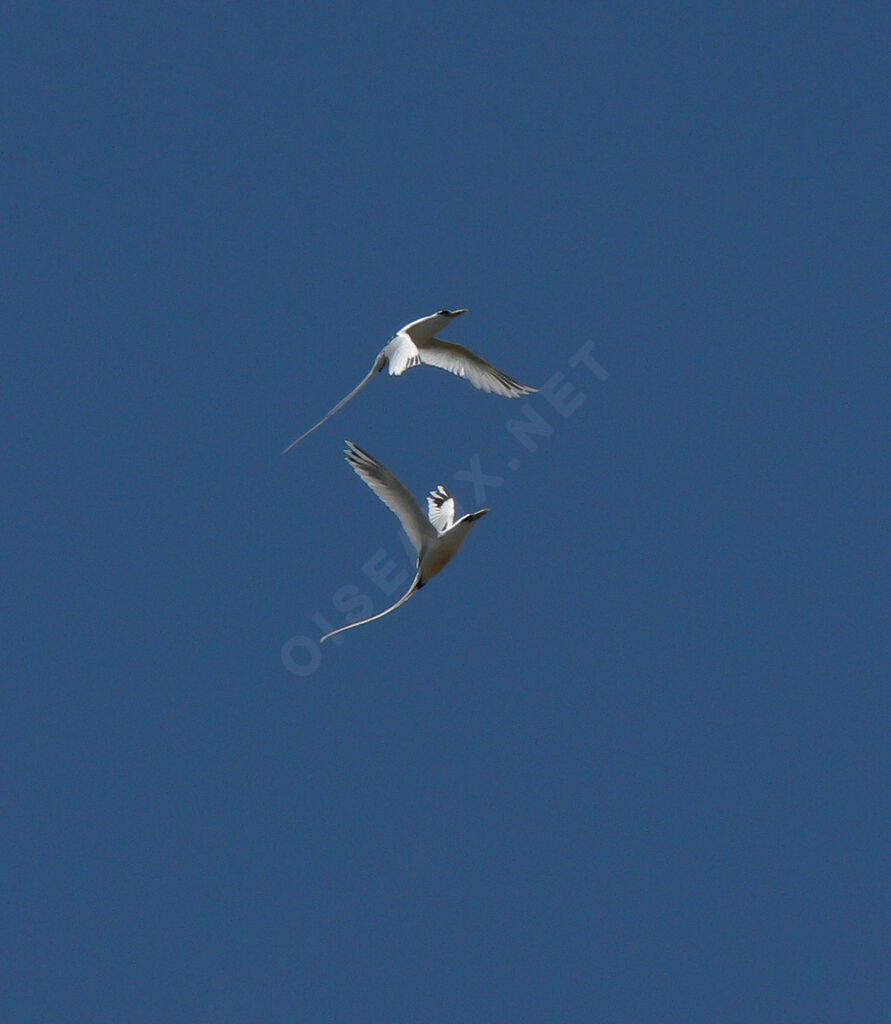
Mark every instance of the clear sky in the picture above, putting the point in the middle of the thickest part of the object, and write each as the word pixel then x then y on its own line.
pixel 625 759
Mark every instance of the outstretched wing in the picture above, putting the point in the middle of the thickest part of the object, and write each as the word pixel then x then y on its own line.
pixel 379 615
pixel 461 361
pixel 379 364
pixel 441 509
pixel 394 494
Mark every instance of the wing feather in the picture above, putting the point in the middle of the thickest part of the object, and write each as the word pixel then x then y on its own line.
pixel 402 354
pixel 393 493
pixel 441 509
pixel 463 363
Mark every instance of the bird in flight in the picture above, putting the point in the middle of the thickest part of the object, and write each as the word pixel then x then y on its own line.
pixel 436 537
pixel 415 344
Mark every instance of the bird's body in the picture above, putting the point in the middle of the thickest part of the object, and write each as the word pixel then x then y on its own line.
pixel 436 537
pixel 416 343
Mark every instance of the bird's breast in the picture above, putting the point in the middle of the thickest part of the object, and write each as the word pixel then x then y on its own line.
pixel 443 550
pixel 436 559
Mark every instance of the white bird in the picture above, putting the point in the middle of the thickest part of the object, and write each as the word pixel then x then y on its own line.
pixel 436 538
pixel 415 344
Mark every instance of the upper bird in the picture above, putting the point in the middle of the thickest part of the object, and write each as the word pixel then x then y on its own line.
pixel 415 344
pixel 436 537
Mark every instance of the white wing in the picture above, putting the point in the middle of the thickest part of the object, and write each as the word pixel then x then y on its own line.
pixel 379 364
pixel 402 353
pixel 461 361
pixel 395 495
pixel 441 509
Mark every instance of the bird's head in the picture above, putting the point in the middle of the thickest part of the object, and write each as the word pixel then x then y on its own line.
pixel 478 515
pixel 451 313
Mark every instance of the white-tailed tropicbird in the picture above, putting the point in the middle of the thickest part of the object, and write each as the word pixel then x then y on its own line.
pixel 436 537
pixel 415 344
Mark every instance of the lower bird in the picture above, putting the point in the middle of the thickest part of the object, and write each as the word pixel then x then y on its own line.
pixel 436 536
pixel 415 344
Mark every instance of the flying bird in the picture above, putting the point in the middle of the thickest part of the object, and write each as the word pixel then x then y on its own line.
pixel 415 344
pixel 436 537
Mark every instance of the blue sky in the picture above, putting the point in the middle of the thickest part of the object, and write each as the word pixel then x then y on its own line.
pixel 626 758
